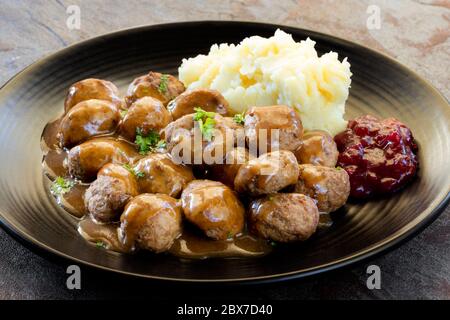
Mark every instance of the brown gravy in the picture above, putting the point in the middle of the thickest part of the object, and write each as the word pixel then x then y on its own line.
pixel 188 245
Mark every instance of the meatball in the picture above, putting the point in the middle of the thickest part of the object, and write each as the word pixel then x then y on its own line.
pixel 233 160
pixel 284 217
pixel 318 148
pixel 268 173
pixel 88 119
pixel 147 114
pixel 151 222
pixel 330 187
pixel 179 137
pixel 91 89
pixel 159 174
pixel 207 99
pixel 214 208
pixel 86 159
pixel 282 118
pixel 188 145
pixel 107 196
pixel 163 87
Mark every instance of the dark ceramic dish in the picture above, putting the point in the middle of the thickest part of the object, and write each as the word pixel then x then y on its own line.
pixel 380 86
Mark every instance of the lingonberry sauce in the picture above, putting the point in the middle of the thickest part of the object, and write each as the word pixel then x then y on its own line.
pixel 379 155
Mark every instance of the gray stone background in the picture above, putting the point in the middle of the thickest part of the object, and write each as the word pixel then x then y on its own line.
pixel 416 32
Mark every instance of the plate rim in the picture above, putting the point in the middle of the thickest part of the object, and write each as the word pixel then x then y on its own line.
pixel 403 235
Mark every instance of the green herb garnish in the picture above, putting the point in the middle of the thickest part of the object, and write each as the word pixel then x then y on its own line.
pixel 239 118
pixel 163 84
pixel 123 113
pixel 273 243
pixel 201 114
pixel 338 168
pixel 100 244
pixel 61 186
pixel 133 171
pixel 161 144
pixel 205 122
pixel 207 128
pixel 229 235
pixel 148 142
pixel 139 174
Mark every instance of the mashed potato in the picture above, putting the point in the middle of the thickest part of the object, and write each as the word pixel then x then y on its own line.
pixel 276 70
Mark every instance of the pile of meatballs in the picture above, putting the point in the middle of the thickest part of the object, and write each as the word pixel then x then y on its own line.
pixel 276 194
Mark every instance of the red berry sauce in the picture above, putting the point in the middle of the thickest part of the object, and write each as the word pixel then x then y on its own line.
pixel 379 155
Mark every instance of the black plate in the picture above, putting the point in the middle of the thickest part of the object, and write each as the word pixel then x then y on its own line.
pixel 380 86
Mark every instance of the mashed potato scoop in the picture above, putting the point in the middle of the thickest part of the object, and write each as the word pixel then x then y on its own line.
pixel 277 70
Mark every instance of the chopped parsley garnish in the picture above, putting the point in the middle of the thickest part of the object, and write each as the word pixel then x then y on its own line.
pixel 273 243
pixel 163 84
pixel 148 142
pixel 133 171
pixel 100 244
pixel 207 128
pixel 205 122
pixel 239 118
pixel 161 144
pixel 338 168
pixel 61 186
pixel 123 113
pixel 201 114
pixel 229 235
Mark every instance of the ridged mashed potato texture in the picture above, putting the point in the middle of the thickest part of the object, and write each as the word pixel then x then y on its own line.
pixel 276 70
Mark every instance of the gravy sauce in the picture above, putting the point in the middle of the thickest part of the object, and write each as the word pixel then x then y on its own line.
pixel 189 245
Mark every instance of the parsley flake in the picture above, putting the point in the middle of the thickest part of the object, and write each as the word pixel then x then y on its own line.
pixel 137 174
pixel 61 186
pixel 123 113
pixel 163 84
pixel 100 244
pixel 205 122
pixel 148 143
pixel 201 114
pixel 239 118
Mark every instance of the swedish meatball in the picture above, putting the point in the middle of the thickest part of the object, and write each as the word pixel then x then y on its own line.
pixel 109 193
pixel 147 114
pixel 207 99
pixel 330 187
pixel 214 208
pixel 151 222
pixel 224 139
pixel 91 89
pixel 281 118
pixel 161 175
pixel 268 173
pixel 88 119
pixel 86 159
pixel 179 137
pixel 233 160
pixel 318 148
pixel 163 87
pixel 284 217
pixel 184 135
